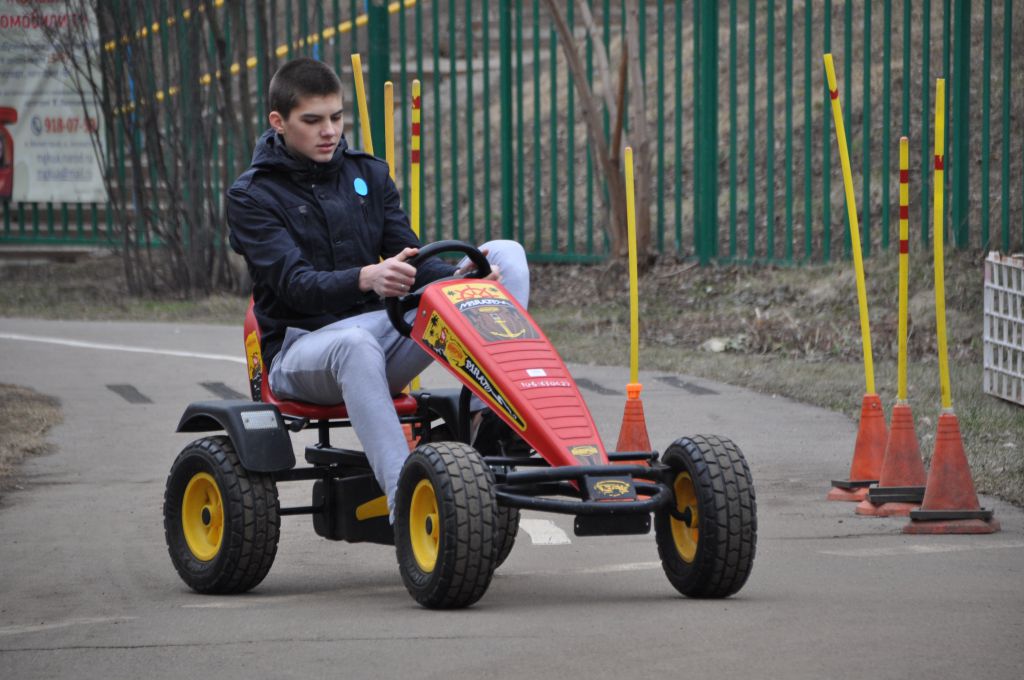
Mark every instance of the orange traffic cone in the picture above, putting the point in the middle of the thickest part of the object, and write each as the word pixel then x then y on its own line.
pixel 901 484
pixel 950 503
pixel 633 434
pixel 868 452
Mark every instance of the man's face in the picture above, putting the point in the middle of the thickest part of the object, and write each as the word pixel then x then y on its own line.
pixel 313 128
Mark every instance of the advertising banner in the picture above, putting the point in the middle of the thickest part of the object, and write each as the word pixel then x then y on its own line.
pixel 46 151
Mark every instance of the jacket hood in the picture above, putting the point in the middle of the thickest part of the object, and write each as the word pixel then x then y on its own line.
pixel 271 153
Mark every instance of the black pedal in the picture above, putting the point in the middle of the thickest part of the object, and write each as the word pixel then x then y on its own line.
pixel 353 509
pixel 330 456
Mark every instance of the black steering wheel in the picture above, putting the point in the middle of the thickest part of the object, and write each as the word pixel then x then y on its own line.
pixel 398 306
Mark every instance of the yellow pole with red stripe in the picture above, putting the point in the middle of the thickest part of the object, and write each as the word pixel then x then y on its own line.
pixel 872 432
pixel 950 504
pixel 851 211
pixel 364 114
pixel 901 360
pixel 414 167
pixel 937 202
pixel 414 175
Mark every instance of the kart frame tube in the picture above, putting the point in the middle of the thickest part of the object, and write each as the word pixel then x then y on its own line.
pixel 524 488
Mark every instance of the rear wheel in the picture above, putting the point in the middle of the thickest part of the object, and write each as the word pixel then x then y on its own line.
pixel 445 516
pixel 708 535
pixel 221 522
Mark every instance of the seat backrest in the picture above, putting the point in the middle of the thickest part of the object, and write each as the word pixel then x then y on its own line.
pixel 259 384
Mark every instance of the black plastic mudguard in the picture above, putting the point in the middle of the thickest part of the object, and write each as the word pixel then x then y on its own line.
pixel 256 429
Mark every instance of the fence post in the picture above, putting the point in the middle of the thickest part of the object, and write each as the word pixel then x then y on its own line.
pixel 706 199
pixel 380 66
pixel 505 45
pixel 961 116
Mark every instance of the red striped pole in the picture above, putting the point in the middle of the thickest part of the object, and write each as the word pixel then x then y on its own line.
pixel 414 175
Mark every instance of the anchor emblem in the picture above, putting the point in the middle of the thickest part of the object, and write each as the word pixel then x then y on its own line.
pixel 508 334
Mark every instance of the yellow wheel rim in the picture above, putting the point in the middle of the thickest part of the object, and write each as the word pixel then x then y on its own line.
pixel 685 531
pixel 424 528
pixel 202 516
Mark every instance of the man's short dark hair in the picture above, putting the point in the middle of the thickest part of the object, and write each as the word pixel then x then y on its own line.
pixel 298 78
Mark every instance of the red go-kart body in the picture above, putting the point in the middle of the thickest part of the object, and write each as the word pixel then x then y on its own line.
pixel 481 334
pixel 456 509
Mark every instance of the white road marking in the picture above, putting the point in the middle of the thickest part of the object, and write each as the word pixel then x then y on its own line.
pixel 122 348
pixel 603 569
pixel 238 604
pixel 42 627
pixel 921 549
pixel 544 532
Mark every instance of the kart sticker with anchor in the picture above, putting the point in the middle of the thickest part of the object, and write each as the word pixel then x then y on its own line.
pixel 490 312
pixel 445 344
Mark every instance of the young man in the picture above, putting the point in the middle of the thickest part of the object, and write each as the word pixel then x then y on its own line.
pixel 324 237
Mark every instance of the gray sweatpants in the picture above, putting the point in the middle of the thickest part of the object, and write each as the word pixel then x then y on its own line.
pixel 363 361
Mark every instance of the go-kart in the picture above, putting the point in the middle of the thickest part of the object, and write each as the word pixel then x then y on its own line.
pixel 456 511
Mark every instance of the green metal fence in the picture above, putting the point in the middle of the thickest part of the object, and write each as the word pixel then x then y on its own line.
pixel 743 168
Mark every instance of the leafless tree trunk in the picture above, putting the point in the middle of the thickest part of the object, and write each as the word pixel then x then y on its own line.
pixel 592 115
pixel 607 154
pixel 160 137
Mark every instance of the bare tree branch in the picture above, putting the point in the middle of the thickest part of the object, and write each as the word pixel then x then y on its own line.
pixel 592 116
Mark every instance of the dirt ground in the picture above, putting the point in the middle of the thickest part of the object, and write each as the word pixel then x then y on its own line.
pixel 25 417
pixel 797 312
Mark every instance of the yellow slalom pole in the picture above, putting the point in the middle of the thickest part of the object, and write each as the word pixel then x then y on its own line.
pixel 634 294
pixel 851 211
pixel 364 114
pixel 414 176
pixel 937 239
pixel 633 434
pixel 414 169
pixel 389 127
pixel 901 361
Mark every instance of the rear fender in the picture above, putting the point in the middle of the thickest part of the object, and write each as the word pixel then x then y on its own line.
pixel 256 429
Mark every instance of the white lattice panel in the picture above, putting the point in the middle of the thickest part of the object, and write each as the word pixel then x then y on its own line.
pixel 1004 327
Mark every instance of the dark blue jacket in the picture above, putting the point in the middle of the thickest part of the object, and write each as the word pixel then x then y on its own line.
pixel 305 232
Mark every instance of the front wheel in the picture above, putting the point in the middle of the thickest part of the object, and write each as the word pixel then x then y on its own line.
pixel 445 531
pixel 221 521
pixel 708 535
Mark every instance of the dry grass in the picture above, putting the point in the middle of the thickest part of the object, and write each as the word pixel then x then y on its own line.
pixel 25 417
pixel 795 332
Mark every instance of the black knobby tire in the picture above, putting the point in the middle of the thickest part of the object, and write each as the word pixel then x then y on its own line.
pixel 238 556
pixel 506 519
pixel 707 549
pixel 445 515
pixel 506 529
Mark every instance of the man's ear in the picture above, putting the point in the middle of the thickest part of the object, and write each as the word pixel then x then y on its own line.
pixel 276 121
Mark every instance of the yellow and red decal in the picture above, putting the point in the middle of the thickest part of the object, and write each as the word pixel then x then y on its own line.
pixel 254 361
pixel 587 454
pixel 490 311
pixel 440 338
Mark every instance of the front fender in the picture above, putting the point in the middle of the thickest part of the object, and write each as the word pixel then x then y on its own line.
pixel 256 429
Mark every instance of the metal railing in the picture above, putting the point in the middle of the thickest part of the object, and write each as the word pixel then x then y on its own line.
pixel 743 164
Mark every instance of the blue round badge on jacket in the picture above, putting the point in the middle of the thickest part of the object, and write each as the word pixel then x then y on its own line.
pixel 360 186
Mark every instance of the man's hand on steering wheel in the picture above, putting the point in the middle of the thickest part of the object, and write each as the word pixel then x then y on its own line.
pixel 391 277
pixel 495 274
pixel 398 304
